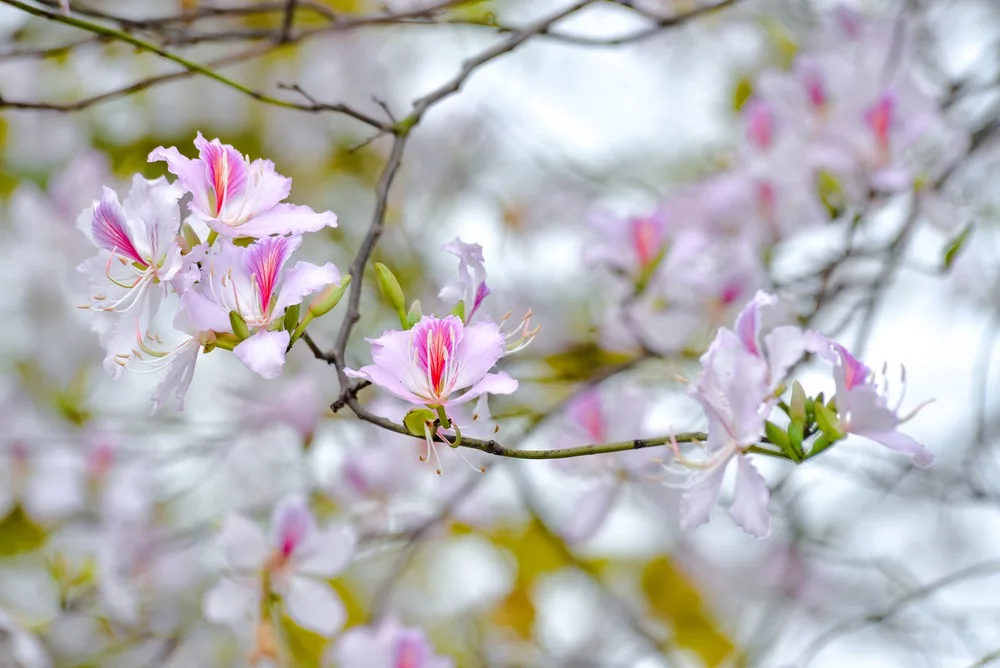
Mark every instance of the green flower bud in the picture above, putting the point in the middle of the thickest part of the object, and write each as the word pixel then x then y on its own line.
pixel 390 288
pixel 239 325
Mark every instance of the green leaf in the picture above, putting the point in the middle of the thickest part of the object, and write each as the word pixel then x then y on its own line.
pixel 952 250
pixel 742 92
pixel 416 420
pixel 831 193
pixel 796 432
pixel 18 534
pixel 777 436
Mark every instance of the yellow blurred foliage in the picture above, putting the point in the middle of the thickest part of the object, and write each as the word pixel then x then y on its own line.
pixel 674 600
pixel 18 534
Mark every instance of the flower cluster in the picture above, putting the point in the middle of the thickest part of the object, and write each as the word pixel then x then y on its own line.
pixel 223 269
pixel 854 116
pixel 743 376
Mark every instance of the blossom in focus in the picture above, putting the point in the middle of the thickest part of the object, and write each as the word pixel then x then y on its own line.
pixel 740 372
pixel 294 564
pixel 434 362
pixel 139 255
pixel 236 197
pixel 862 402
pixel 468 288
pixel 250 283
pixel 388 645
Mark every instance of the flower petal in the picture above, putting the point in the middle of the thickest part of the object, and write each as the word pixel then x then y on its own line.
pixel 327 552
pixel 263 353
pixel 243 543
pixel 482 345
pixel 302 280
pixel 394 368
pixel 280 219
pixel 698 501
pixel 314 606
pixel 110 229
pixel 263 261
pixel 191 174
pixel 492 383
pixel 589 512
pixel 900 442
pixel 292 524
pixel 230 601
pixel 749 508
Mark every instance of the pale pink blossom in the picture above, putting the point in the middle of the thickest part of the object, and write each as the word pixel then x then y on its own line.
pixel 139 256
pixel 387 645
pixel 862 401
pixel 630 245
pixel 440 362
pixel 468 288
pixel 297 560
pixel 236 197
pixel 740 372
pixel 251 282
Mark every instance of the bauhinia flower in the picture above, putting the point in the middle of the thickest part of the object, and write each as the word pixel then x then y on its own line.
pixel 740 372
pixel 236 197
pixel 388 645
pixel 248 286
pixel 295 565
pixel 438 363
pixel 139 255
pixel 862 403
pixel 469 288
pixel 632 246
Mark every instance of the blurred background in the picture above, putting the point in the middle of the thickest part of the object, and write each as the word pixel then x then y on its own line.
pixel 619 112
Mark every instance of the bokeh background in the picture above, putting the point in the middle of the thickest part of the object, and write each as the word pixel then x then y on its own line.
pixel 871 562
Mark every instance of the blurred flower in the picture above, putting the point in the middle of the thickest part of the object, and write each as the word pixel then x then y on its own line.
pixel 19 647
pixel 236 197
pixel 388 645
pixel 294 566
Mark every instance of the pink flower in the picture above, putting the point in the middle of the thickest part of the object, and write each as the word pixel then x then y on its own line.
pixel 298 561
pixel 433 362
pixel 740 372
pixel 250 282
pixel 733 391
pixel 236 197
pixel 469 287
pixel 138 257
pixel 630 245
pixel 388 645
pixel 862 406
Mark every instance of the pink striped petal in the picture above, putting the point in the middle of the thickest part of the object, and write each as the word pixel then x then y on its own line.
pixel 226 170
pixel 110 229
pixel 264 260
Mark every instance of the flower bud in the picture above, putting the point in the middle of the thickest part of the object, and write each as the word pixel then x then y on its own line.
pixel 291 318
pixel 797 405
pixel 416 420
pixel 326 300
pixel 414 314
pixel 390 288
pixel 239 325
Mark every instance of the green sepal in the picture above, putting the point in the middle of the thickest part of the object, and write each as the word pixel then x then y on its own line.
pixel 417 419
pixel 819 445
pixel 243 241
pixel 191 238
pixel 459 310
